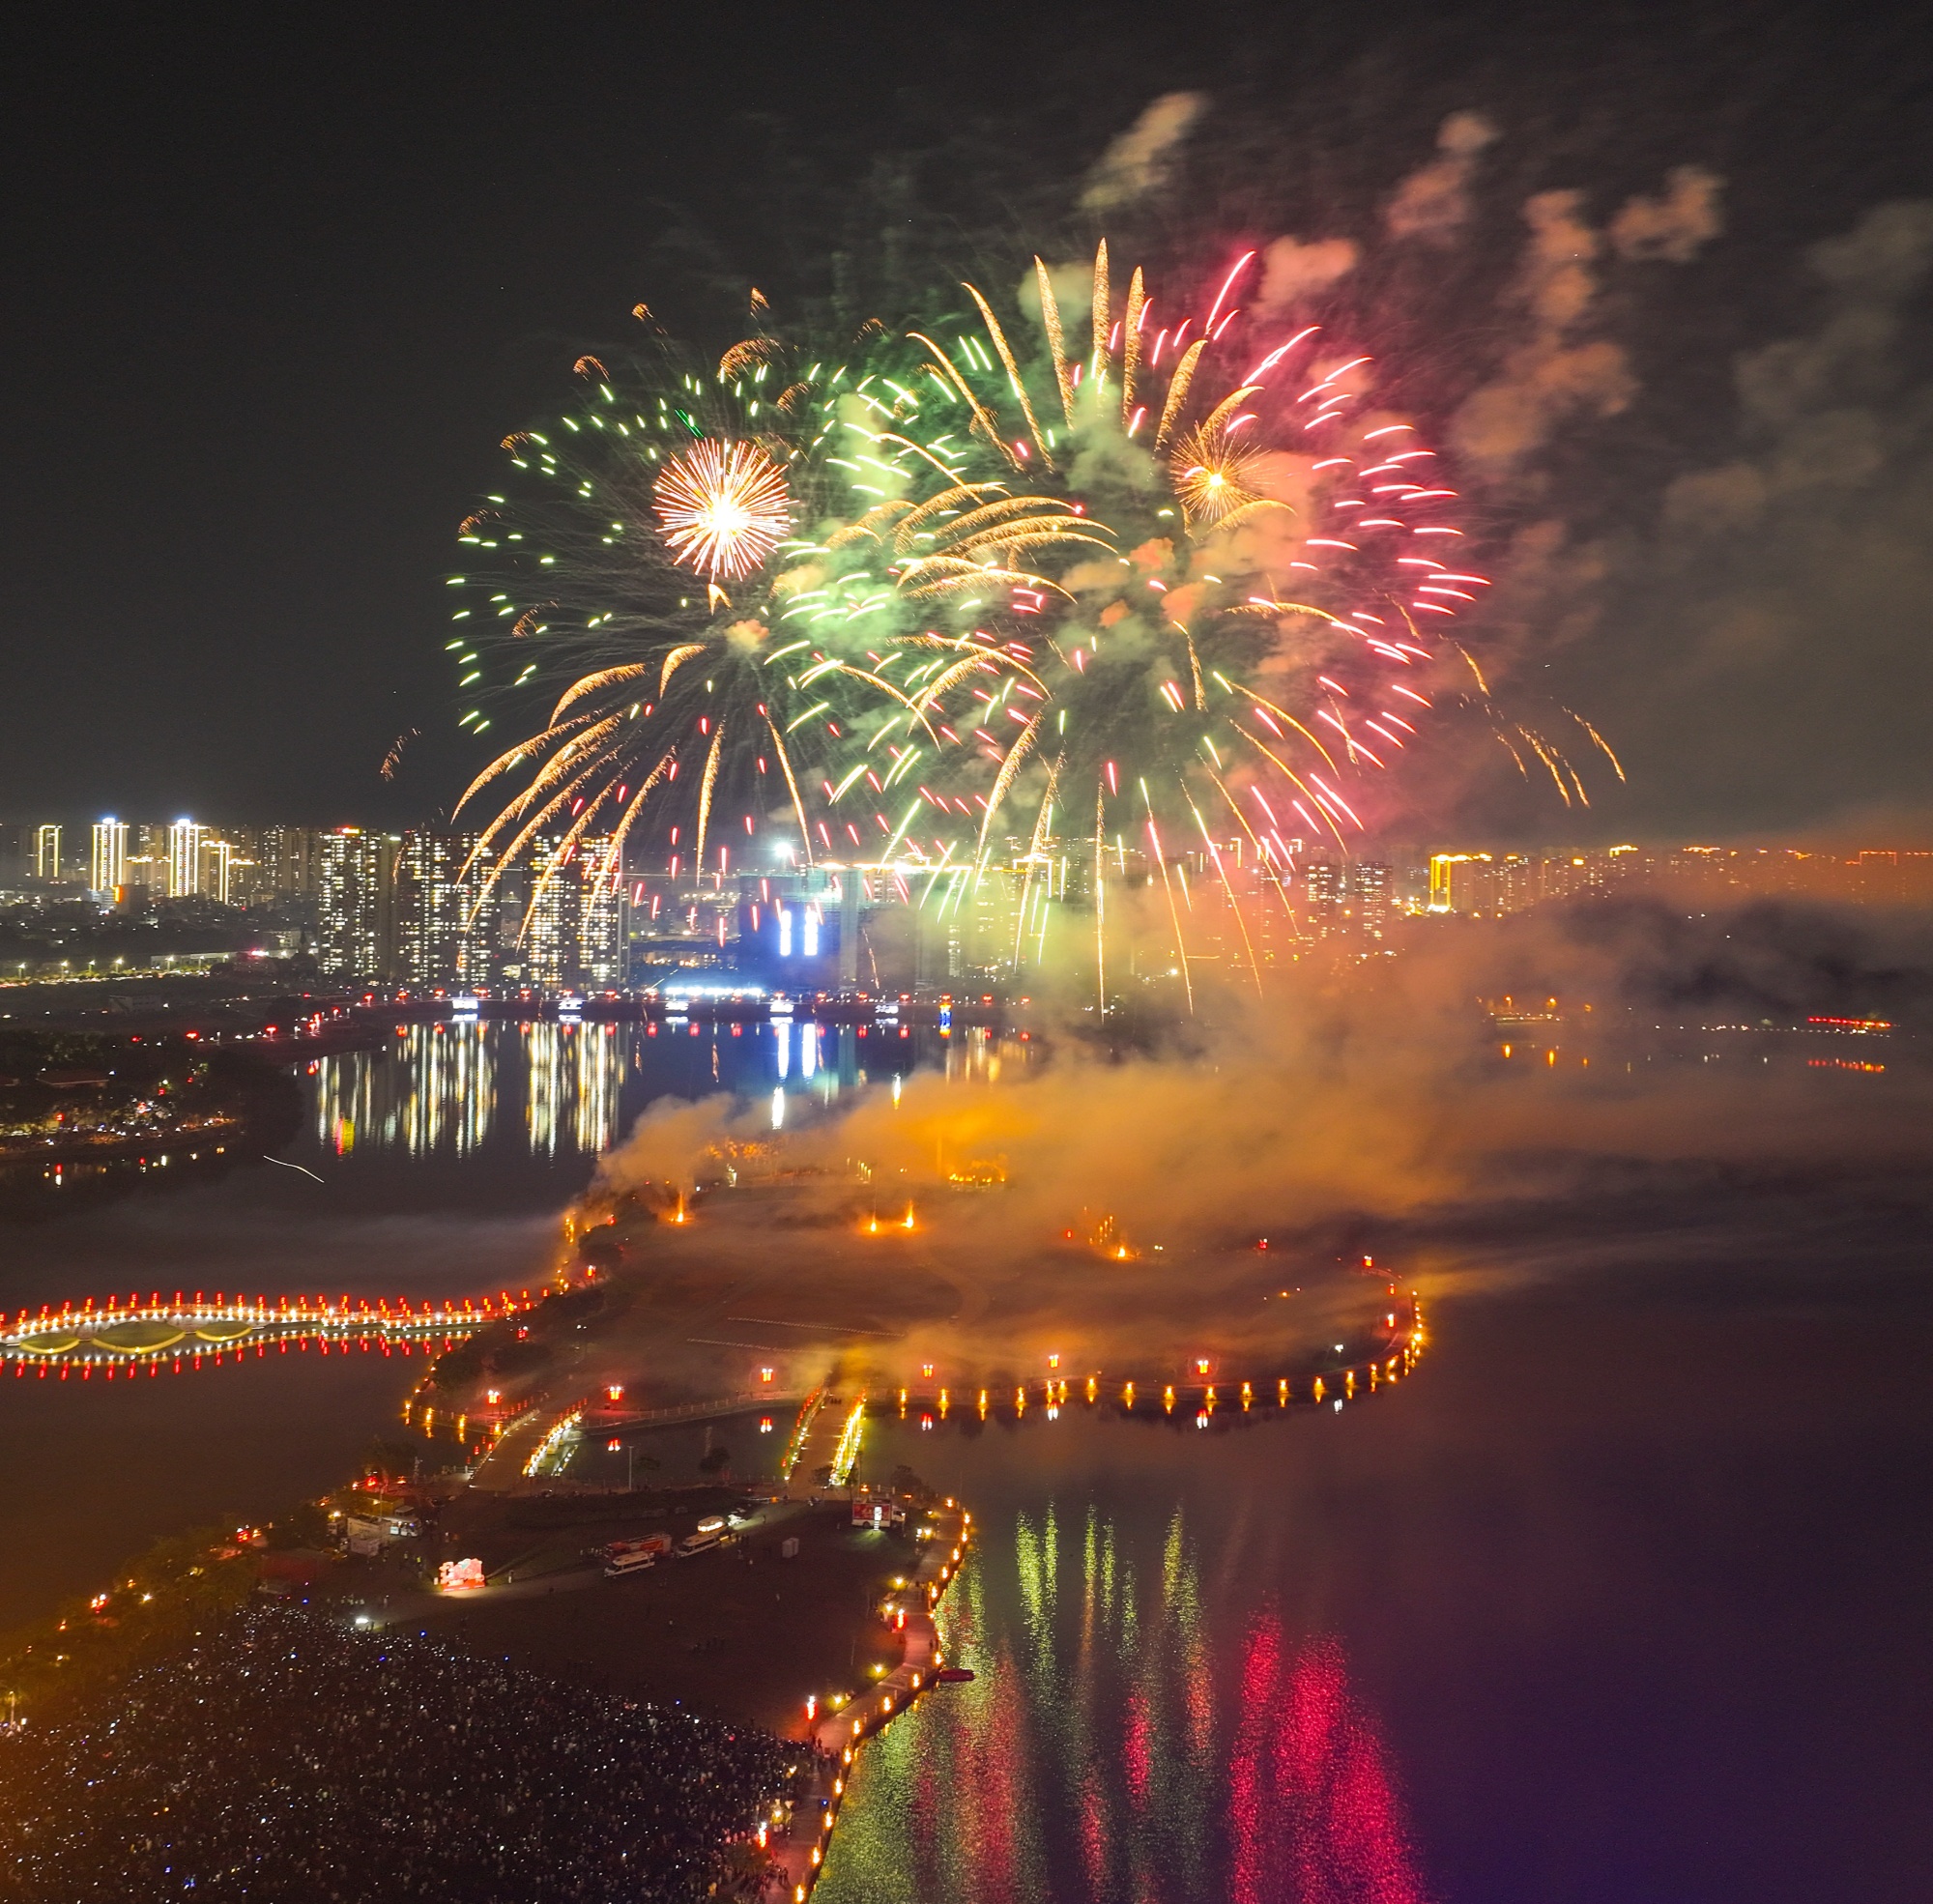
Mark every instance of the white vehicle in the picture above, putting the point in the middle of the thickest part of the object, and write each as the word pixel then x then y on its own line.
pixel 618 1565
pixel 701 1542
pixel 622 1557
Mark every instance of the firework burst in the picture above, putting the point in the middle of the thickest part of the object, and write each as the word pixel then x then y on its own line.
pixel 956 593
pixel 723 508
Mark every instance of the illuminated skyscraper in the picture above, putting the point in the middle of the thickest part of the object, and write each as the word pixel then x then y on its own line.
pixel 1371 897
pixel 548 929
pixel 443 938
pixel 291 860
pixel 107 863
pixel 216 863
pixel 355 911
pixel 600 926
pixel 46 853
pixel 1324 887
pixel 185 838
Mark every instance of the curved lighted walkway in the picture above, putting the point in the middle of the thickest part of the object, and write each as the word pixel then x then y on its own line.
pixel 135 1331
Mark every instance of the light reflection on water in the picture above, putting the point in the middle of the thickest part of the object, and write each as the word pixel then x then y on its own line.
pixel 434 1166
pixel 557 1090
pixel 1143 1725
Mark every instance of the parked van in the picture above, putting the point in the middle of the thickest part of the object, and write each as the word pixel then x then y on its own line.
pixel 700 1543
pixel 629 1556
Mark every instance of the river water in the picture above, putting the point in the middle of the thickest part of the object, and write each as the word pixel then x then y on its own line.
pixel 1623 1596
pixel 445 1157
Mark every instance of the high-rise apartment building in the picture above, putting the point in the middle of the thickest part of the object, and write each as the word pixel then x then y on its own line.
pixel 1345 899
pixel 556 918
pixel 553 918
pixel 184 840
pixel 1370 897
pixel 144 869
pixel 289 858
pixel 218 866
pixel 1324 887
pixel 355 911
pixel 445 933
pixel 600 923
pixel 107 861
pixel 46 853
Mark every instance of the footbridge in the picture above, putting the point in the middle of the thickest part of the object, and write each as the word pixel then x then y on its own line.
pixel 133 1331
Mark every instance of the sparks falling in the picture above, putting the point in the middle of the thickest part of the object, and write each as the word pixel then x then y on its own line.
pixel 1194 579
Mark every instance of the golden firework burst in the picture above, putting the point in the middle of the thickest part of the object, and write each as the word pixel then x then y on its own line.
pixel 1212 478
pixel 722 508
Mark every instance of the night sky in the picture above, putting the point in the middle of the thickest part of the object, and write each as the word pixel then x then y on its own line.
pixel 274 295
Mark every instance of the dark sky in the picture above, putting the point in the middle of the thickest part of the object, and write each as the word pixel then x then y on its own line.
pixel 273 294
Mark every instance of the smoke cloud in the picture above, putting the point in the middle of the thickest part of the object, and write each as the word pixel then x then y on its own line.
pixel 1293 270
pixel 1139 161
pixel 1674 227
pixel 1433 205
pixel 1774 620
pixel 1554 373
pixel 1383 1094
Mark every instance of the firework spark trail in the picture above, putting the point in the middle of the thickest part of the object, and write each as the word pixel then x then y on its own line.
pixel 902 588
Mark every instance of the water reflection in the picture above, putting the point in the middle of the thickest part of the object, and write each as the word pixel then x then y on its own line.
pixel 1118 1741
pixel 576 1079
pixel 573 1090
pixel 433 1088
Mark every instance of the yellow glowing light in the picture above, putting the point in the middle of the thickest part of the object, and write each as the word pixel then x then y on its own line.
pixel 723 507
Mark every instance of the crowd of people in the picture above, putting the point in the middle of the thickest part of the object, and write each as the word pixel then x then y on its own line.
pixel 285 1756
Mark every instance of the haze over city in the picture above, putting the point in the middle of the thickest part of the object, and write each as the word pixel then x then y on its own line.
pixel 968 959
